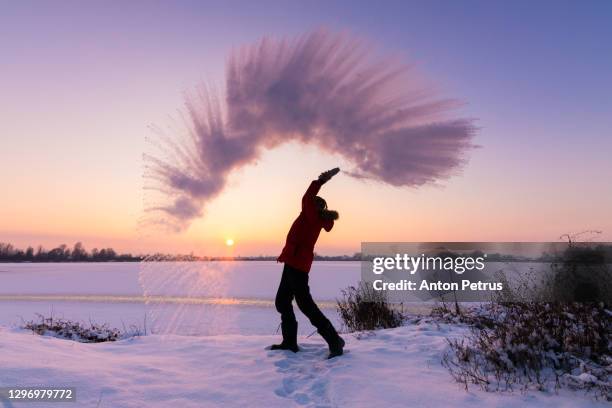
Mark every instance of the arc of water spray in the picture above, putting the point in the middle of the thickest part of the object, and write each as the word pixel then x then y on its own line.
pixel 322 88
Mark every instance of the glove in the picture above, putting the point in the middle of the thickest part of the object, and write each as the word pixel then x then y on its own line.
pixel 327 175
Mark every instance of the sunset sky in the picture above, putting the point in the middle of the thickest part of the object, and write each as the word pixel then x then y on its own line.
pixel 81 84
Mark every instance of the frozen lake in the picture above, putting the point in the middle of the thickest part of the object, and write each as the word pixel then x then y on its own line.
pixel 192 298
pixel 174 297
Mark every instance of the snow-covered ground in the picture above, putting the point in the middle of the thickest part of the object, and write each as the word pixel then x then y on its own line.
pixel 390 368
pixel 229 366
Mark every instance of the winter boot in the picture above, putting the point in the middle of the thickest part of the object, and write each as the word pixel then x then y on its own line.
pixel 283 346
pixel 289 342
pixel 334 341
pixel 337 349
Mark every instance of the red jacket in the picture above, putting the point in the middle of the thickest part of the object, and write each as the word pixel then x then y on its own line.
pixel 302 237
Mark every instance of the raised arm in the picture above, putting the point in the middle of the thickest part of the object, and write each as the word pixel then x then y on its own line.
pixel 315 186
pixel 309 195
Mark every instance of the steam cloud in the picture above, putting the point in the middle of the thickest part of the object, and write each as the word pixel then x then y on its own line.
pixel 325 89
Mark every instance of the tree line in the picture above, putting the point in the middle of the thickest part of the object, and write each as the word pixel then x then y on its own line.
pixel 62 253
pixel 78 253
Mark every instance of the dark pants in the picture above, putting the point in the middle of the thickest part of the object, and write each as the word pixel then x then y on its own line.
pixel 294 283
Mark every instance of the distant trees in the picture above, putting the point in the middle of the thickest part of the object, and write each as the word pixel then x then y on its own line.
pixel 78 253
pixel 62 253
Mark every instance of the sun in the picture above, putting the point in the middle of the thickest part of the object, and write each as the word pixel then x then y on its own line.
pixel 229 242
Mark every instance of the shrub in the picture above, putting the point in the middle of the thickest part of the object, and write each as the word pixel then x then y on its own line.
pixel 580 273
pixel 541 345
pixel 70 330
pixel 363 308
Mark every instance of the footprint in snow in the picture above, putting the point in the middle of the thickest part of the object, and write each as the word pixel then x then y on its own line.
pixel 306 375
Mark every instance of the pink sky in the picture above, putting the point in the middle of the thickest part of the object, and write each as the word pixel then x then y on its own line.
pixel 80 88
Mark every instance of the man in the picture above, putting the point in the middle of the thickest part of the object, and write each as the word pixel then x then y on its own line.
pixel 297 255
